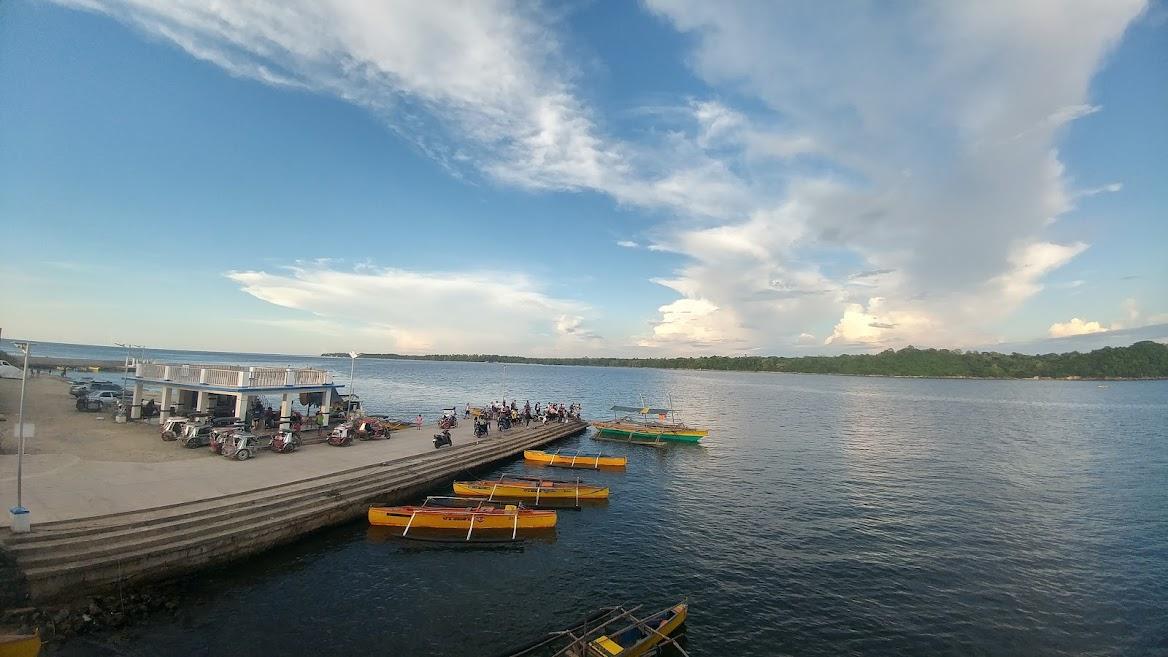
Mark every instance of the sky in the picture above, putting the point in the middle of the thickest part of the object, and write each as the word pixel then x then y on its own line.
pixel 669 177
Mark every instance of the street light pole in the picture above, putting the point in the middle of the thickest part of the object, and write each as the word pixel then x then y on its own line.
pixel 126 372
pixel 352 369
pixel 26 347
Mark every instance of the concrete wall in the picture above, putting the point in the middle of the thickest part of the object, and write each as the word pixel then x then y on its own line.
pixel 69 558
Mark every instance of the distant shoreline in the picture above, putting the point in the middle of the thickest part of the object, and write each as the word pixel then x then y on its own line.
pixel 1142 361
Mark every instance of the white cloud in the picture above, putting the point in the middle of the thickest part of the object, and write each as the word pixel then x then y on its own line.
pixel 871 326
pixel 628 244
pixel 408 311
pixel 1110 188
pixel 946 178
pixel 1075 327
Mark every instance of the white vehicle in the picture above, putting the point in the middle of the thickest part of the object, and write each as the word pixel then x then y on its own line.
pixel 9 371
pixel 106 397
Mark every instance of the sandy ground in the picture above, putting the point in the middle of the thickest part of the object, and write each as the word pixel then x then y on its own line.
pixel 61 429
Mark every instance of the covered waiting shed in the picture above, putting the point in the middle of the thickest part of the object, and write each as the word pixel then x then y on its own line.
pixel 192 385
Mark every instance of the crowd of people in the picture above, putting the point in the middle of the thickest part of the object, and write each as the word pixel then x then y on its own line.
pixel 506 415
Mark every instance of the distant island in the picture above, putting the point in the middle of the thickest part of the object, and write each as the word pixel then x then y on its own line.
pixel 1142 360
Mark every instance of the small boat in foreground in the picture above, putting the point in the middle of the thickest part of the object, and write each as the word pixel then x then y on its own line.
pixel 20 645
pixel 613 632
pixel 639 430
pixel 461 514
pixel 530 488
pixel 562 459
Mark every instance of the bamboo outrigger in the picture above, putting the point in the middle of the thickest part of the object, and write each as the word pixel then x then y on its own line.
pixel 474 514
pixel 562 459
pixel 645 431
pixel 612 632
pixel 536 489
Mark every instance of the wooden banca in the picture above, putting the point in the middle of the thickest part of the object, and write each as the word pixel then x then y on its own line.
pixel 462 516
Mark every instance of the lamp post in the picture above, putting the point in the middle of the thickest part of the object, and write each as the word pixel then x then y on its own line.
pixel 352 369
pixel 126 372
pixel 19 514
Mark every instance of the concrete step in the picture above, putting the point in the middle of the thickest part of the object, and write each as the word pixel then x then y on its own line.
pixel 115 540
pixel 92 553
pixel 71 557
pixel 213 544
pixel 222 503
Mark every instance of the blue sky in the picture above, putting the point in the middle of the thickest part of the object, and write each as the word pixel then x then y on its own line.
pixel 670 177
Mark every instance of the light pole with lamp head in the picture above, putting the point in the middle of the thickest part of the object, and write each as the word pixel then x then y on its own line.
pixel 352 388
pixel 21 522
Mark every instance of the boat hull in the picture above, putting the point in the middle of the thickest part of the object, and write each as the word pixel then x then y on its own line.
pixel 529 491
pixel 606 647
pixel 20 645
pixel 456 518
pixel 622 430
pixel 575 460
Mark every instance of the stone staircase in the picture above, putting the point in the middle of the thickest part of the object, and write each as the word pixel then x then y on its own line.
pixel 71 557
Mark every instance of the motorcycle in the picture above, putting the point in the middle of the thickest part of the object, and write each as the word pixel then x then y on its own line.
pixel 447 423
pixel 442 439
pixel 285 442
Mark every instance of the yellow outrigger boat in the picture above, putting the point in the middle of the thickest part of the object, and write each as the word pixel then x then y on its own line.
pixel 530 488
pixel 443 513
pixel 575 459
pixel 613 632
pixel 20 645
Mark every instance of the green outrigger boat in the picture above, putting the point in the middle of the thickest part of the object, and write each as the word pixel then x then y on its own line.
pixel 645 431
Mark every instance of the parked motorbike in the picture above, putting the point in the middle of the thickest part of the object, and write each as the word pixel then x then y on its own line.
pixel 285 442
pixel 447 423
pixel 442 439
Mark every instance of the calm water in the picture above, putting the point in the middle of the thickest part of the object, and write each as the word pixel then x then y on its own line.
pixel 824 516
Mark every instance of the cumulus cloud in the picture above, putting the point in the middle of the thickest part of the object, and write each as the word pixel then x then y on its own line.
pixel 919 141
pixel 411 311
pixel 1075 327
pixel 947 199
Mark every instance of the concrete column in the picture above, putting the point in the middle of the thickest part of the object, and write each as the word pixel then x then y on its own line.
pixel 241 402
pixel 285 412
pixel 202 400
pixel 326 401
pixel 164 402
pixel 136 403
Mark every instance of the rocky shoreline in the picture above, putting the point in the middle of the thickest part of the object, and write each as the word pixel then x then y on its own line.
pixel 94 613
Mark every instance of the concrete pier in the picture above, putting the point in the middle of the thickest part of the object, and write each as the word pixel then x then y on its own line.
pixel 89 553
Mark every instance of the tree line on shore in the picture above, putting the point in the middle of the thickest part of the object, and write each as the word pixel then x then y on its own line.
pixel 1141 360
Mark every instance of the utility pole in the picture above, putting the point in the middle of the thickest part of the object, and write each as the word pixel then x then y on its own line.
pixel 20 520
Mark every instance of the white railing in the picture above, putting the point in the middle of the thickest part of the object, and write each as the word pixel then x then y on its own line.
pixel 269 377
pixel 220 377
pixel 151 371
pixel 184 374
pixel 230 376
pixel 313 377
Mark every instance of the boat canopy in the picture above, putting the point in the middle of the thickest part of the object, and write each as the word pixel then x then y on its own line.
pixel 643 410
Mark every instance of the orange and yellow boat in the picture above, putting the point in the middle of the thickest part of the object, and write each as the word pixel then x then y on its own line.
pixel 530 488
pixel 445 513
pixel 20 645
pixel 575 459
